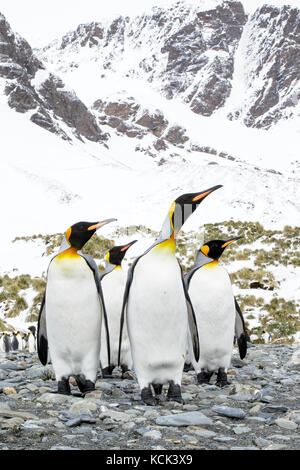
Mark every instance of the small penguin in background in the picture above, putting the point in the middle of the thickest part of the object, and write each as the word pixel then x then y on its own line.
pixel 158 308
pixel 14 342
pixel 7 342
pixel 32 328
pixel 1 341
pixel 113 281
pixel 218 315
pixel 71 312
pixel 31 342
pixel 266 336
pixel 20 340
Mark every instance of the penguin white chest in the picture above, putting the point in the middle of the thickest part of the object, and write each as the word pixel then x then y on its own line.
pixel 213 301
pixel 113 285
pixel 73 316
pixel 157 318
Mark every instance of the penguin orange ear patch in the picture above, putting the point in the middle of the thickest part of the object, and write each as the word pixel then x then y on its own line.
pixel 205 250
pixel 68 234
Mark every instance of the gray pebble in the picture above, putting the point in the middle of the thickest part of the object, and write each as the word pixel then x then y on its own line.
pixel 229 412
pixel 184 419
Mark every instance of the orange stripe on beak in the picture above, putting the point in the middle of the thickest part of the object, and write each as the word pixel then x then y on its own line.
pixel 94 227
pixel 128 246
pixel 228 243
pixel 201 196
pixel 125 247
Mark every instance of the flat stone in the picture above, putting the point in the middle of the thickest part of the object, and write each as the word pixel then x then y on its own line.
pixel 237 413
pixel 275 409
pixel 12 423
pixel 9 391
pixel 10 365
pixel 42 372
pixel 224 439
pixel 82 404
pixel 205 433
pixel 73 422
pixel 286 423
pixel 153 434
pixel 16 414
pixel 54 398
pixel 184 419
pixel 260 442
pixel 63 448
pixel 241 430
pixel 115 415
pixel 243 448
pixel 240 397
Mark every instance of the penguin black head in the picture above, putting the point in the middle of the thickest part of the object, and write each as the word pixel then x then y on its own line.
pixel 214 248
pixel 117 253
pixel 79 234
pixel 181 209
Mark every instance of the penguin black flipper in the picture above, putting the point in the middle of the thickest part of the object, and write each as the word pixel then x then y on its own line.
pixel 240 330
pixel 191 319
pixel 92 265
pixel 42 340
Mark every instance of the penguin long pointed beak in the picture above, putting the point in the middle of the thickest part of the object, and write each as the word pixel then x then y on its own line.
pixel 125 248
pixel 100 224
pixel 231 240
pixel 205 193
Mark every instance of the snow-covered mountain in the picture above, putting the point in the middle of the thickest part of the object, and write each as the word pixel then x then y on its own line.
pixel 192 54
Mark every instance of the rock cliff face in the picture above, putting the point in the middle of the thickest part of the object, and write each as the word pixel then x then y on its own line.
pixel 217 60
pixel 30 88
pixel 190 54
pixel 271 67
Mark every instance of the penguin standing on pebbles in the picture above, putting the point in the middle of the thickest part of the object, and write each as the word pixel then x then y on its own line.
pixel 218 315
pixel 1 341
pixel 113 282
pixel 7 342
pixel 14 342
pixel 31 342
pixel 71 312
pixel 158 308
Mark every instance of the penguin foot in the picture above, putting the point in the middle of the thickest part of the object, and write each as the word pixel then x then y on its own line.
pixel 147 397
pixel 204 377
pixel 187 367
pixel 157 389
pixel 126 372
pixel 89 386
pixel 222 378
pixel 174 393
pixel 107 372
pixel 85 386
pixel 63 387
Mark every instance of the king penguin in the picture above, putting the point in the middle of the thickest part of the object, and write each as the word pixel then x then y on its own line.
pixel 1 341
pixel 158 308
pixel 113 281
pixel 71 312
pixel 219 317
pixel 7 342
pixel 14 342
pixel 31 342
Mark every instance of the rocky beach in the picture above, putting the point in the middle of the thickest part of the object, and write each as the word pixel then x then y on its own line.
pixel 259 410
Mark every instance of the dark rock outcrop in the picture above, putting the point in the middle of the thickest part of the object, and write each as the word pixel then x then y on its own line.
pixel 52 102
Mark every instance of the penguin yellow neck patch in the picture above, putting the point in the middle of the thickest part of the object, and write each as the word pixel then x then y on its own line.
pixel 168 244
pixel 212 264
pixel 69 253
